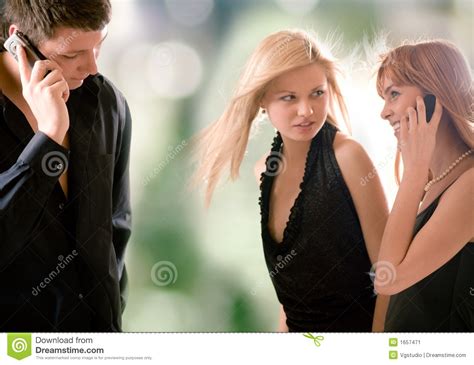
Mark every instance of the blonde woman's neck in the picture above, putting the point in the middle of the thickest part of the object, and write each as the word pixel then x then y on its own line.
pixel 295 152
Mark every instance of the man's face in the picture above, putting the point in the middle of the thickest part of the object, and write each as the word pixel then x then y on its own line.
pixel 76 51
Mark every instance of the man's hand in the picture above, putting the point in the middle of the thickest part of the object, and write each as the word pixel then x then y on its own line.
pixel 46 94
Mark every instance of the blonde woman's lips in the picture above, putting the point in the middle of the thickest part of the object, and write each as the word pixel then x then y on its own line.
pixel 304 125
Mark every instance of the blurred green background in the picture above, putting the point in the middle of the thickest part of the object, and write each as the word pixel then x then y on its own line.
pixel 176 61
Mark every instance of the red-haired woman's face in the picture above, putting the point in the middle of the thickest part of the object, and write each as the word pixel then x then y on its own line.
pixel 397 101
pixel 297 102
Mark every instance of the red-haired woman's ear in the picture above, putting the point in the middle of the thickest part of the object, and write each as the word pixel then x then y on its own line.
pixel 11 29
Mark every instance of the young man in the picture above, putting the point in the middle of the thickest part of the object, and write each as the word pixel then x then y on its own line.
pixel 64 185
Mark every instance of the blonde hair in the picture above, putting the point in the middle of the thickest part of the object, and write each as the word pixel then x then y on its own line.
pixel 437 67
pixel 222 145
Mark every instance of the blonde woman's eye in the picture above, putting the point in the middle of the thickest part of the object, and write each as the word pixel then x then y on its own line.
pixel 288 98
pixel 318 93
pixel 69 57
pixel 394 94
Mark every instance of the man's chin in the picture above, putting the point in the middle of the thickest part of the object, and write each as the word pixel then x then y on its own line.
pixel 74 84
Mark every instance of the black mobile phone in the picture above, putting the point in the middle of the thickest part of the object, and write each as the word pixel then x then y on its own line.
pixel 18 38
pixel 430 101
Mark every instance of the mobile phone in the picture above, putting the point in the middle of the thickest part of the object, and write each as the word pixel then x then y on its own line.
pixel 430 101
pixel 18 38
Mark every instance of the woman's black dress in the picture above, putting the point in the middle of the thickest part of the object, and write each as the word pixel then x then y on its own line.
pixel 441 302
pixel 320 270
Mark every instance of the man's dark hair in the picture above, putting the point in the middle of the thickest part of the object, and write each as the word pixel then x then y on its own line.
pixel 38 19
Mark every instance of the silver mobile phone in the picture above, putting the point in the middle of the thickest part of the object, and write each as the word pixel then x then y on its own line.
pixel 18 38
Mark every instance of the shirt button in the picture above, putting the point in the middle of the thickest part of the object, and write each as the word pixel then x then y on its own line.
pixel 61 206
pixel 80 296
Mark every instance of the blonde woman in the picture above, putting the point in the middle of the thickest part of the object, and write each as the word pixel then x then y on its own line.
pixel 426 259
pixel 320 227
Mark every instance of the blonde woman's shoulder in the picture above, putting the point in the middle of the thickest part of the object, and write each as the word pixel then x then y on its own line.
pixel 348 151
pixel 260 167
pixel 363 182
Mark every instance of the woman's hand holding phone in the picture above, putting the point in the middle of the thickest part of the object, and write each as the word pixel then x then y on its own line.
pixel 46 92
pixel 418 138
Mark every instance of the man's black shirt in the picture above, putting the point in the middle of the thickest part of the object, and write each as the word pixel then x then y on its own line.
pixel 62 259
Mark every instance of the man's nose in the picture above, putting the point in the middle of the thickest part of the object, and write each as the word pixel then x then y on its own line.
pixel 90 67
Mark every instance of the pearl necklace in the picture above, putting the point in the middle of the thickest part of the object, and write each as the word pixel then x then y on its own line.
pixel 448 170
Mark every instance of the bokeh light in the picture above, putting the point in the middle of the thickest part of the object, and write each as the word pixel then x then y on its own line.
pixel 174 70
pixel 190 13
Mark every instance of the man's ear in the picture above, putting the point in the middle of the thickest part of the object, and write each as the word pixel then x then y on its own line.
pixel 12 29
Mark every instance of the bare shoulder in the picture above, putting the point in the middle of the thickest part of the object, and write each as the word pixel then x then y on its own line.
pixel 350 155
pixel 454 208
pixel 347 147
pixel 365 188
pixel 259 167
pixel 461 191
